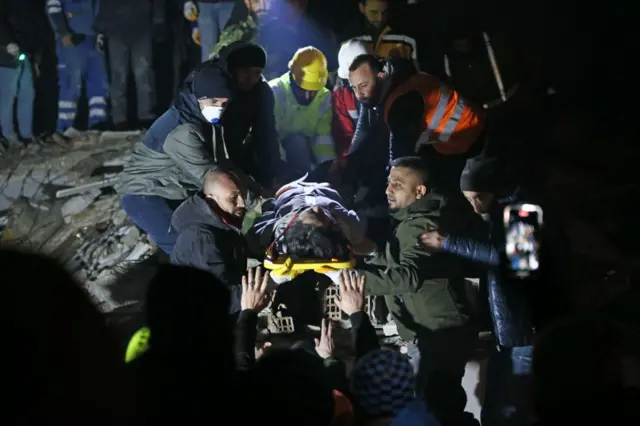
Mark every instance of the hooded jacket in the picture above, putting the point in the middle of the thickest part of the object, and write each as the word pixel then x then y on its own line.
pixel 207 242
pixel 519 308
pixel 423 290
pixel 181 146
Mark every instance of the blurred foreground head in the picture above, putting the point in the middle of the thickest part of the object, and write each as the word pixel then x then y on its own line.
pixel 188 314
pixel 292 387
pixel 65 364
pixel 588 369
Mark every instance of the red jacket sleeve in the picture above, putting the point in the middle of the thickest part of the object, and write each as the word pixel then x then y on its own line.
pixel 342 125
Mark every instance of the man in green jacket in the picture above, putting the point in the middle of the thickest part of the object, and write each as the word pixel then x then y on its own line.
pixel 424 291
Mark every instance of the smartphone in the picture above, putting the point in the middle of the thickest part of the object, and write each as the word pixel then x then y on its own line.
pixel 523 224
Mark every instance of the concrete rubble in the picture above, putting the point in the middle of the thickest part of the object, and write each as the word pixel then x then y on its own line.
pixel 86 230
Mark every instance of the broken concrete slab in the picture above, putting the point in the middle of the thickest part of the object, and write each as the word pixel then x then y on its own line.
pixel 77 204
pixel 87 187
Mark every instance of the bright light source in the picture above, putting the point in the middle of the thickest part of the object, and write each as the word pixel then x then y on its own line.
pixel 22 57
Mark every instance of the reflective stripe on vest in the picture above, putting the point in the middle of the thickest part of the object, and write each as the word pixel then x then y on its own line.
pixel 451 123
pixel 293 118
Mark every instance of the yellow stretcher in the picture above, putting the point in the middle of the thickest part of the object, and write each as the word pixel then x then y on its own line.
pixel 284 266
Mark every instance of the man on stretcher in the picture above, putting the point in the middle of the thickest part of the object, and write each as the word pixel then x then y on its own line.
pixel 307 227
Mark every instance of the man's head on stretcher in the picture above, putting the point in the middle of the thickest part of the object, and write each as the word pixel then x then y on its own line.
pixel 312 240
pixel 313 234
pixel 312 230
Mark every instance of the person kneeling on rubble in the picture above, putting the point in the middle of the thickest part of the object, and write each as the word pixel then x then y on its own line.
pixel 208 228
pixel 219 104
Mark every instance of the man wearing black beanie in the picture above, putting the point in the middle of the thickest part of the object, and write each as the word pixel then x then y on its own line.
pixel 220 103
pixel 519 308
pixel 480 182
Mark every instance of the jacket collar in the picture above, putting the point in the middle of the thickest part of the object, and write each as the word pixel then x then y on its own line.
pixel 430 204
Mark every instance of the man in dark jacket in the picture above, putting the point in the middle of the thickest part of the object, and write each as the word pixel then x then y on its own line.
pixel 367 162
pixel 519 308
pixel 208 226
pixel 21 45
pixel 421 114
pixel 129 27
pixel 221 102
pixel 424 292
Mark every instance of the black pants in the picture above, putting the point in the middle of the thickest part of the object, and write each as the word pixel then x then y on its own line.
pixel 125 55
pixel 439 359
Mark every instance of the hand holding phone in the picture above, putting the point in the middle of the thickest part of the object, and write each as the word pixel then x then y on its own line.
pixel 523 224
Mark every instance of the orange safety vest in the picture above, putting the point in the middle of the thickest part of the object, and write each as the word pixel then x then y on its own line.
pixel 451 123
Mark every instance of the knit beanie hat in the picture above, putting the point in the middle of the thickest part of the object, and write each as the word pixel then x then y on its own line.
pixel 242 55
pixel 383 382
pixel 349 51
pixel 480 174
pixel 211 81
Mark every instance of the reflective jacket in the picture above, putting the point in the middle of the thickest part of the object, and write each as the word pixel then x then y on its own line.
pixel 449 121
pixel 312 121
pixel 389 45
pixel 72 16
pixel 345 117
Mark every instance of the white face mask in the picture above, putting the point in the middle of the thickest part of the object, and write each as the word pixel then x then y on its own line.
pixel 212 113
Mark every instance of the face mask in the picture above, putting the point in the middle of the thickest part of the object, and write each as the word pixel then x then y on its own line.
pixel 212 113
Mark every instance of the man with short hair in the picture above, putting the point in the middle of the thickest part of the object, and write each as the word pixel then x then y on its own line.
pixel 423 116
pixel 345 105
pixel 425 293
pixel 220 104
pixel 208 228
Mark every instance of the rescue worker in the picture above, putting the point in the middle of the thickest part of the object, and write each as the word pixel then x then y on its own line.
pixel 303 112
pixel 345 104
pixel 80 54
pixel 212 17
pixel 21 46
pixel 219 104
pixel 423 116
pixel 376 30
pixel 130 28
pixel 424 293
pixel 208 227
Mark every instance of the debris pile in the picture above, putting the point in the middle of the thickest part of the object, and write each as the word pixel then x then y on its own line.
pixel 58 201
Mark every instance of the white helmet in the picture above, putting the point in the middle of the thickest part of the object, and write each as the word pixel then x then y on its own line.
pixel 350 50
